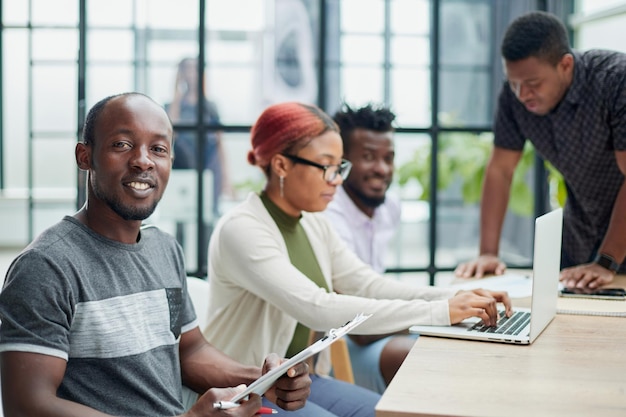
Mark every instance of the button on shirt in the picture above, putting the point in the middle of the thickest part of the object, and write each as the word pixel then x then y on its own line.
pixel 368 237
pixel 579 137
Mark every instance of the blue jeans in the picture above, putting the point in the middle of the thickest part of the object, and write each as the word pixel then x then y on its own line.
pixel 366 363
pixel 333 398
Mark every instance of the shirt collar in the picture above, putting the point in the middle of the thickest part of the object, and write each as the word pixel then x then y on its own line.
pixel 575 90
pixel 352 211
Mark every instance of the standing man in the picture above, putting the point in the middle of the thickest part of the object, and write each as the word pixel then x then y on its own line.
pixel 366 217
pixel 572 107
pixel 96 319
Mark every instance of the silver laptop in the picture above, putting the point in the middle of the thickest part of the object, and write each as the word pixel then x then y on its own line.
pixel 526 324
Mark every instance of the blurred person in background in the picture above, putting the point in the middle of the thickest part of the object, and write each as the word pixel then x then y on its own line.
pixel 183 109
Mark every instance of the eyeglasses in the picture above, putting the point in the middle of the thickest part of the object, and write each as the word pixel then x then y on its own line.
pixel 330 171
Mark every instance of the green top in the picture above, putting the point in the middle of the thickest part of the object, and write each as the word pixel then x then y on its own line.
pixel 301 256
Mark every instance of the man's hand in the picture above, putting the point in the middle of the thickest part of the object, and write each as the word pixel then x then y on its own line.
pixel 478 303
pixel 589 275
pixel 484 264
pixel 205 406
pixel 290 391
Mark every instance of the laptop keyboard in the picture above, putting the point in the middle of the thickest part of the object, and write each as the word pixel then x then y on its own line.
pixel 506 325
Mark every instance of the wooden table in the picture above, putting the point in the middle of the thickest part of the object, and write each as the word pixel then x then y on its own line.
pixel 577 367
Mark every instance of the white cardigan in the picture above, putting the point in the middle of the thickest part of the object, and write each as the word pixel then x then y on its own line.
pixel 257 296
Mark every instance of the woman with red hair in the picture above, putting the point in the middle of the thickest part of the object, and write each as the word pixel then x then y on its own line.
pixel 278 270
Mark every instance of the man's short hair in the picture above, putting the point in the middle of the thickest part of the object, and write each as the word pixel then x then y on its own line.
pixel 94 115
pixel 369 117
pixel 536 34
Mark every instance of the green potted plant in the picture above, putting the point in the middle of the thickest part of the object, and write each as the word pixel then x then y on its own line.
pixel 463 157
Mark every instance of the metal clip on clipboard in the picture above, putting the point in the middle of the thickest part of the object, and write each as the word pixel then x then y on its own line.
pixel 334 334
pixel 267 380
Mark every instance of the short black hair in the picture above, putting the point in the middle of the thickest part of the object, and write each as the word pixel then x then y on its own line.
pixel 536 34
pixel 370 117
pixel 94 114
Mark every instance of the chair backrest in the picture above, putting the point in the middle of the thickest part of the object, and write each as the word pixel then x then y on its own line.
pixel 339 358
pixel 199 292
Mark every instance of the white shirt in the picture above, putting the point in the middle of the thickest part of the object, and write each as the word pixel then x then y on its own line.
pixel 368 237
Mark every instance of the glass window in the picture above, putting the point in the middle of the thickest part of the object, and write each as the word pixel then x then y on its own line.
pixel 410 96
pixel 362 85
pixel 409 249
pixel 110 13
pixel 242 176
pixel 177 212
pixel 462 160
pixel 362 50
pixel 55 44
pixel 105 80
pixel 110 45
pixel 58 178
pixel 15 12
pixel 241 15
pixel 54 12
pixel 166 14
pixel 232 52
pixel 362 16
pixel 465 52
pixel 464 98
pixel 410 17
pixel 237 93
pixel 167 48
pixel 410 50
pixel 16 102
pixel 54 103
pixel 259 52
pixel 465 31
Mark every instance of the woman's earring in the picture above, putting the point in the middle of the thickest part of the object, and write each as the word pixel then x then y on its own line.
pixel 282 186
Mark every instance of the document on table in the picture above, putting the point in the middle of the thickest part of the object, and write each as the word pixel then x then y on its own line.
pixel 517 285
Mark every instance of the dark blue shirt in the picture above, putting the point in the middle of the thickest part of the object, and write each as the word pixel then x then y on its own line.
pixel 579 137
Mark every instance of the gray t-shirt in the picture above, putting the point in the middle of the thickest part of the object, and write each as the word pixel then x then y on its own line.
pixel 114 311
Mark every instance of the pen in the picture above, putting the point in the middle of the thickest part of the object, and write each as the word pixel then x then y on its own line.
pixel 266 410
pixel 225 405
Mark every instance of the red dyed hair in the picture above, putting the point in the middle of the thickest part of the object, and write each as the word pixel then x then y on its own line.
pixel 284 128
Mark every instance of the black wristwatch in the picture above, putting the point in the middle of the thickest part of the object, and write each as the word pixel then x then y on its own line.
pixel 606 261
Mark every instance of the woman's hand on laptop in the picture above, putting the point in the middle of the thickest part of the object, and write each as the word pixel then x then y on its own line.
pixel 478 303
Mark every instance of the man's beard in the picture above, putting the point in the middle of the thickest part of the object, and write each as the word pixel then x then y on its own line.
pixel 125 212
pixel 368 201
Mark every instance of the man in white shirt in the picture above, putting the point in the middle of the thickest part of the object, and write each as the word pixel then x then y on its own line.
pixel 367 234
pixel 366 217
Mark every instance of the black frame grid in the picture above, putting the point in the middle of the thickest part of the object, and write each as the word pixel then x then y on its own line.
pixel 327 15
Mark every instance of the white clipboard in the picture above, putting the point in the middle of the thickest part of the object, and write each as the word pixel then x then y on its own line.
pixel 267 380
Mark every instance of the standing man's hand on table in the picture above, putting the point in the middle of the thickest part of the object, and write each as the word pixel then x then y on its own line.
pixel 589 275
pixel 479 267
